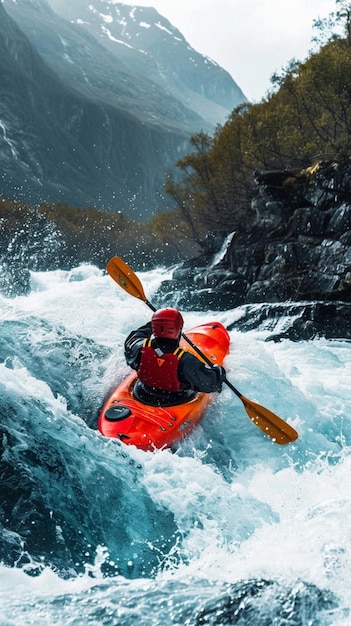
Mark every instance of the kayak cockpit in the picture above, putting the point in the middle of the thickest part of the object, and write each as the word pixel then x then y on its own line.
pixel 157 397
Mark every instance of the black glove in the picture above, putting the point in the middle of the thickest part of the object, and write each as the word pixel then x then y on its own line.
pixel 220 371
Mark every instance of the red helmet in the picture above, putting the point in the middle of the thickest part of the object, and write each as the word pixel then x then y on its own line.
pixel 167 323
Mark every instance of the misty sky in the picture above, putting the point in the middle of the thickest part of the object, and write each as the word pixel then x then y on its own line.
pixel 251 39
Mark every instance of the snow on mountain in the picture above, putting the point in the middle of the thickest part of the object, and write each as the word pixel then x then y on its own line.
pixel 150 45
pixel 99 102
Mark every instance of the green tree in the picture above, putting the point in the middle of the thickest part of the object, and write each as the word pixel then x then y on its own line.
pixel 306 117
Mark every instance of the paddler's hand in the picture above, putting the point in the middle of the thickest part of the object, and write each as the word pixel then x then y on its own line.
pixel 221 374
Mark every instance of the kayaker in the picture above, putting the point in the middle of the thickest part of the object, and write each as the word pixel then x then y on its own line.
pixel 166 372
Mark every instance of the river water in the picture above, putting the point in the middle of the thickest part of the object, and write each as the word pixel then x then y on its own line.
pixel 229 528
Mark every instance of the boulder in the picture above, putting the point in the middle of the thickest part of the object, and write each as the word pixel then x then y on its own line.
pixel 299 250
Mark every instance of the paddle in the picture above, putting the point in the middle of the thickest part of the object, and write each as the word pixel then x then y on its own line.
pixel 272 425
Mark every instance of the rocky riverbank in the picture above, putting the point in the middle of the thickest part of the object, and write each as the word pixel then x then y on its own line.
pixel 297 253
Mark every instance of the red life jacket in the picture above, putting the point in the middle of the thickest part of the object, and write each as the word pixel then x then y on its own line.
pixel 159 369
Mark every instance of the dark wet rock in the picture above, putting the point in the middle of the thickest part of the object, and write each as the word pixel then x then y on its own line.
pixel 266 602
pixel 299 321
pixel 299 250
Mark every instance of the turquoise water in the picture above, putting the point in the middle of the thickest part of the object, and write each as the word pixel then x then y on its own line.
pixel 228 529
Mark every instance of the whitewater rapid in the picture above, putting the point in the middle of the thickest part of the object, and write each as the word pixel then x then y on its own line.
pixel 229 506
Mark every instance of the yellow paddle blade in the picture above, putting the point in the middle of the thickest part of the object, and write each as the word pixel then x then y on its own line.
pixel 124 276
pixel 272 425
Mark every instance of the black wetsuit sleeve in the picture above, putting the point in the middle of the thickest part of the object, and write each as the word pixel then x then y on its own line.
pixel 195 374
pixel 134 343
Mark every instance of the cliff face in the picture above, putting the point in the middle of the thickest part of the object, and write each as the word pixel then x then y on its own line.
pixel 90 125
pixel 295 262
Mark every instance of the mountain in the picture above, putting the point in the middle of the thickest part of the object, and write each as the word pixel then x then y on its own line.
pixel 89 121
pixel 148 44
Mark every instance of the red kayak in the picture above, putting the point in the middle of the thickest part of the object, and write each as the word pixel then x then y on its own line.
pixel 151 427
